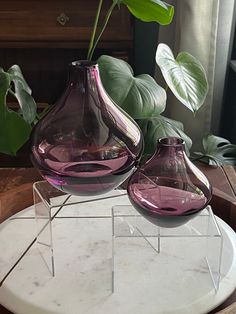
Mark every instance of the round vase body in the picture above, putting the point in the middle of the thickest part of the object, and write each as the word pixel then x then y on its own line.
pixel 169 189
pixel 86 144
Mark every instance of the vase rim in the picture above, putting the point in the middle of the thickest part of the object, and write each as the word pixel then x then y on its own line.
pixel 171 141
pixel 84 63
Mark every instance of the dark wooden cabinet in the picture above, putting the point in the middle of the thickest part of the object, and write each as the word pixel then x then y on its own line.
pixel 44 36
pixel 60 24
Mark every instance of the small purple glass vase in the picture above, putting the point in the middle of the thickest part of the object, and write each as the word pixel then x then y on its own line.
pixel 169 189
pixel 86 144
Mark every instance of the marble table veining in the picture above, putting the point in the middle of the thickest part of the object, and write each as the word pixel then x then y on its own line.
pixel 172 282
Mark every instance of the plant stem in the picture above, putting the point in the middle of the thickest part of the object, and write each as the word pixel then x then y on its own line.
pixel 106 20
pixel 91 43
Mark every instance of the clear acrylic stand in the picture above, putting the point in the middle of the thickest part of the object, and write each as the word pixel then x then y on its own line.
pixel 200 234
pixel 51 205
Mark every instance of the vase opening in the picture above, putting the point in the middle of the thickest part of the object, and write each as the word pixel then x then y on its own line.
pixel 83 63
pixel 171 141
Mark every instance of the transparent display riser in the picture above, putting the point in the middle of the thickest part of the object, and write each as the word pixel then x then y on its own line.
pixel 125 239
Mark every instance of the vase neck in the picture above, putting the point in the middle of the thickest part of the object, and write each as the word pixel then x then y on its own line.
pixel 83 73
pixel 170 146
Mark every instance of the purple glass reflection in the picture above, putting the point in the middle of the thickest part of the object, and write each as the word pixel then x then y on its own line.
pixel 86 144
pixel 169 190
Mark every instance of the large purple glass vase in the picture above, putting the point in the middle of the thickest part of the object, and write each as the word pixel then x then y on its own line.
pixel 169 189
pixel 86 144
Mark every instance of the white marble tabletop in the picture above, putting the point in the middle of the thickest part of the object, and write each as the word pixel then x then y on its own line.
pixel 176 281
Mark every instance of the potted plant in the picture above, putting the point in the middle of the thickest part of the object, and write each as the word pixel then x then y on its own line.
pixel 16 126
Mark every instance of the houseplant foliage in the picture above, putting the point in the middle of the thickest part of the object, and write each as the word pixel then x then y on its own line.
pixel 15 127
pixel 185 77
pixel 145 100
pixel 145 10
pixel 217 151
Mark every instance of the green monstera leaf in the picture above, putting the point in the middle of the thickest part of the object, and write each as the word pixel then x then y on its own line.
pixel 139 96
pixel 154 128
pixel 5 82
pixel 150 10
pixel 23 93
pixel 144 10
pixel 217 151
pixel 14 130
pixel 184 75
